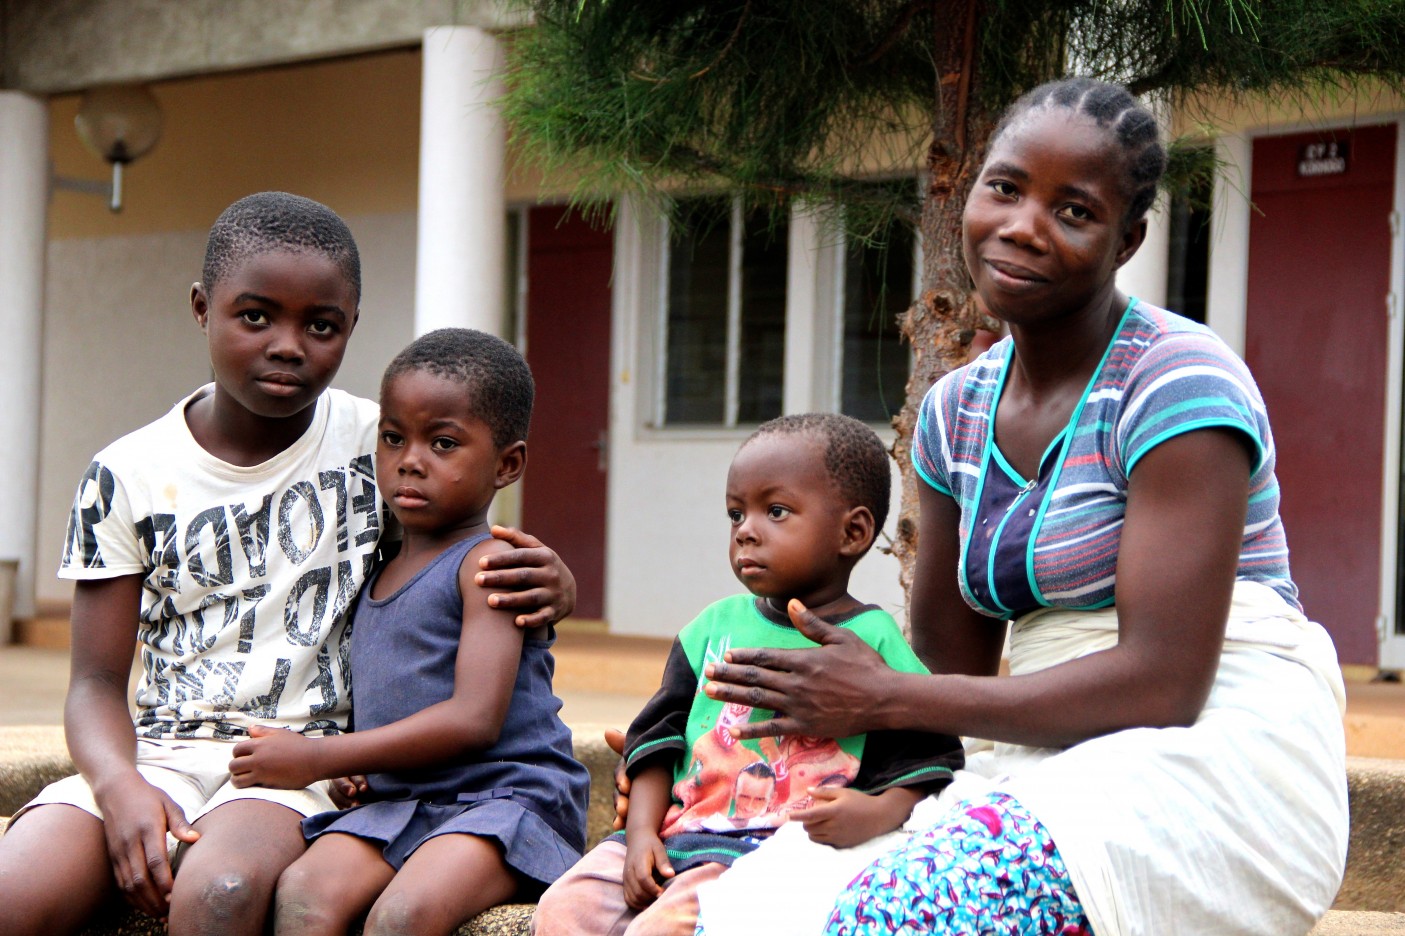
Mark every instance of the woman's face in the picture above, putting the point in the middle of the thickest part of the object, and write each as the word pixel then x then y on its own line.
pixel 1043 229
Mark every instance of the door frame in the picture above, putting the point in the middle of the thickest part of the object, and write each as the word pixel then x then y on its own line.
pixel 1227 314
pixel 521 274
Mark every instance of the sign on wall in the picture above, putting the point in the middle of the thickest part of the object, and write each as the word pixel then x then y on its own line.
pixel 1323 159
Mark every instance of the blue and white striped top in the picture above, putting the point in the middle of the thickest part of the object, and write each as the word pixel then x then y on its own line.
pixel 1052 541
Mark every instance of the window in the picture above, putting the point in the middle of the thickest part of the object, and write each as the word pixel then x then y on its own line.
pixel 1188 260
pixel 874 361
pixel 724 341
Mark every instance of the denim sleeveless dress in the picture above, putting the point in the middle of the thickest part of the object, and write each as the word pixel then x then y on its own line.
pixel 527 792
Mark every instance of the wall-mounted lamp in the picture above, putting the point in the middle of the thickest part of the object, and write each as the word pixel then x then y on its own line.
pixel 120 123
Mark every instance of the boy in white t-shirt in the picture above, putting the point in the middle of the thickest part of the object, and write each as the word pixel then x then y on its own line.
pixel 225 541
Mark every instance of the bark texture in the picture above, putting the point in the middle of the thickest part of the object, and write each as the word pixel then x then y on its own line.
pixel 942 321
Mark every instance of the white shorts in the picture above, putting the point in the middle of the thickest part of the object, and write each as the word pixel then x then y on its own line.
pixel 193 772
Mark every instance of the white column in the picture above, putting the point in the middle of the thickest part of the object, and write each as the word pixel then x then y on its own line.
pixel 24 202
pixel 1228 289
pixel 1145 275
pixel 460 274
pixel 807 352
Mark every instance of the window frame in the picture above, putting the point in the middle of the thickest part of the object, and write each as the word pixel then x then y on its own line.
pixel 838 285
pixel 731 401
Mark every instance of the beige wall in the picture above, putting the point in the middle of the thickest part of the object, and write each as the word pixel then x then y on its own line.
pixel 1330 106
pixel 344 132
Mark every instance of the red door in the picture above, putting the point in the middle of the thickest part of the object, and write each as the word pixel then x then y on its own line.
pixel 1316 332
pixel 568 347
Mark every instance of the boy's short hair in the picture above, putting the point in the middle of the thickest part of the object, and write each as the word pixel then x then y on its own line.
pixel 498 380
pixel 854 456
pixel 268 221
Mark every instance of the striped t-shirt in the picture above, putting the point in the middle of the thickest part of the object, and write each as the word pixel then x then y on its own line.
pixel 1052 541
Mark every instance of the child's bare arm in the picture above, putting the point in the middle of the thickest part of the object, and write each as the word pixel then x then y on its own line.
pixel 490 648
pixel 98 726
pixel 844 817
pixel 646 860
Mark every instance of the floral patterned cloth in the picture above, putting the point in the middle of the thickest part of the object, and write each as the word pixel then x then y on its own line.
pixel 989 867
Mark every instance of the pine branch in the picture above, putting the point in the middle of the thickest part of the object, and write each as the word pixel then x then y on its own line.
pixel 901 24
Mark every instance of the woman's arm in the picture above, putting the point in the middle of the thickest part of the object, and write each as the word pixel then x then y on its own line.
pixel 98 727
pixel 947 634
pixel 490 649
pixel 1176 567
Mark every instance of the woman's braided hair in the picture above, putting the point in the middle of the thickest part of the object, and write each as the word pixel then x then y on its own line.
pixel 1112 107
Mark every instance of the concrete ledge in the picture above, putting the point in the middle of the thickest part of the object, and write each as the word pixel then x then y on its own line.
pixel 1371 900
pixel 1375 864
pixel 1360 923
pixel 31 757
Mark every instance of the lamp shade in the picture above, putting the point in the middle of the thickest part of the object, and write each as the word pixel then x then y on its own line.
pixel 120 123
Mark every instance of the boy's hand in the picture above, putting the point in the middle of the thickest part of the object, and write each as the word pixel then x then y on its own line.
pixel 614 738
pixel 844 818
pixel 538 581
pixel 274 757
pixel 645 862
pixel 136 818
pixel 346 791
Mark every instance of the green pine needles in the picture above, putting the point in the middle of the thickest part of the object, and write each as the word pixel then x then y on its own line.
pixel 777 99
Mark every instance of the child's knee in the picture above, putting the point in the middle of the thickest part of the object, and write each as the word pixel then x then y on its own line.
pixel 298 880
pixel 232 890
pixel 581 903
pixel 552 916
pixel 401 913
pixel 305 901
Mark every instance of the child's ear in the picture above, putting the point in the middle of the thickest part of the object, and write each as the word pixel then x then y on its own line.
pixel 199 303
pixel 512 461
pixel 859 530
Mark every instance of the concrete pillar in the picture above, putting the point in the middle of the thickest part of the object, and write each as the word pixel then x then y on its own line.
pixel 1228 300
pixel 24 202
pixel 1146 274
pixel 809 346
pixel 460 276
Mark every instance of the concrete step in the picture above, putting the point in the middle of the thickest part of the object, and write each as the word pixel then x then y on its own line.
pixel 1360 923
pixel 1371 900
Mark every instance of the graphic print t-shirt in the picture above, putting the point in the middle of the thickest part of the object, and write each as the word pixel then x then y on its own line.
pixel 725 785
pixel 248 572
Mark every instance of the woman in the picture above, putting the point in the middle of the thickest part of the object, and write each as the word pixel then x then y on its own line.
pixel 1167 752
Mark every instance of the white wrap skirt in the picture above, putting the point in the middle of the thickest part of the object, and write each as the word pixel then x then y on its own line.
pixel 1235 825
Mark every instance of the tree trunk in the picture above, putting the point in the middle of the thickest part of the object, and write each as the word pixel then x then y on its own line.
pixel 944 319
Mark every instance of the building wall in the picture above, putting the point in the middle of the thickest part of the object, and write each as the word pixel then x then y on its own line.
pixel 1240 123
pixel 667 545
pixel 62 45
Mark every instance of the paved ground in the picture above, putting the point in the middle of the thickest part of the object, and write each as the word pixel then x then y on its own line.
pixel 604 680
